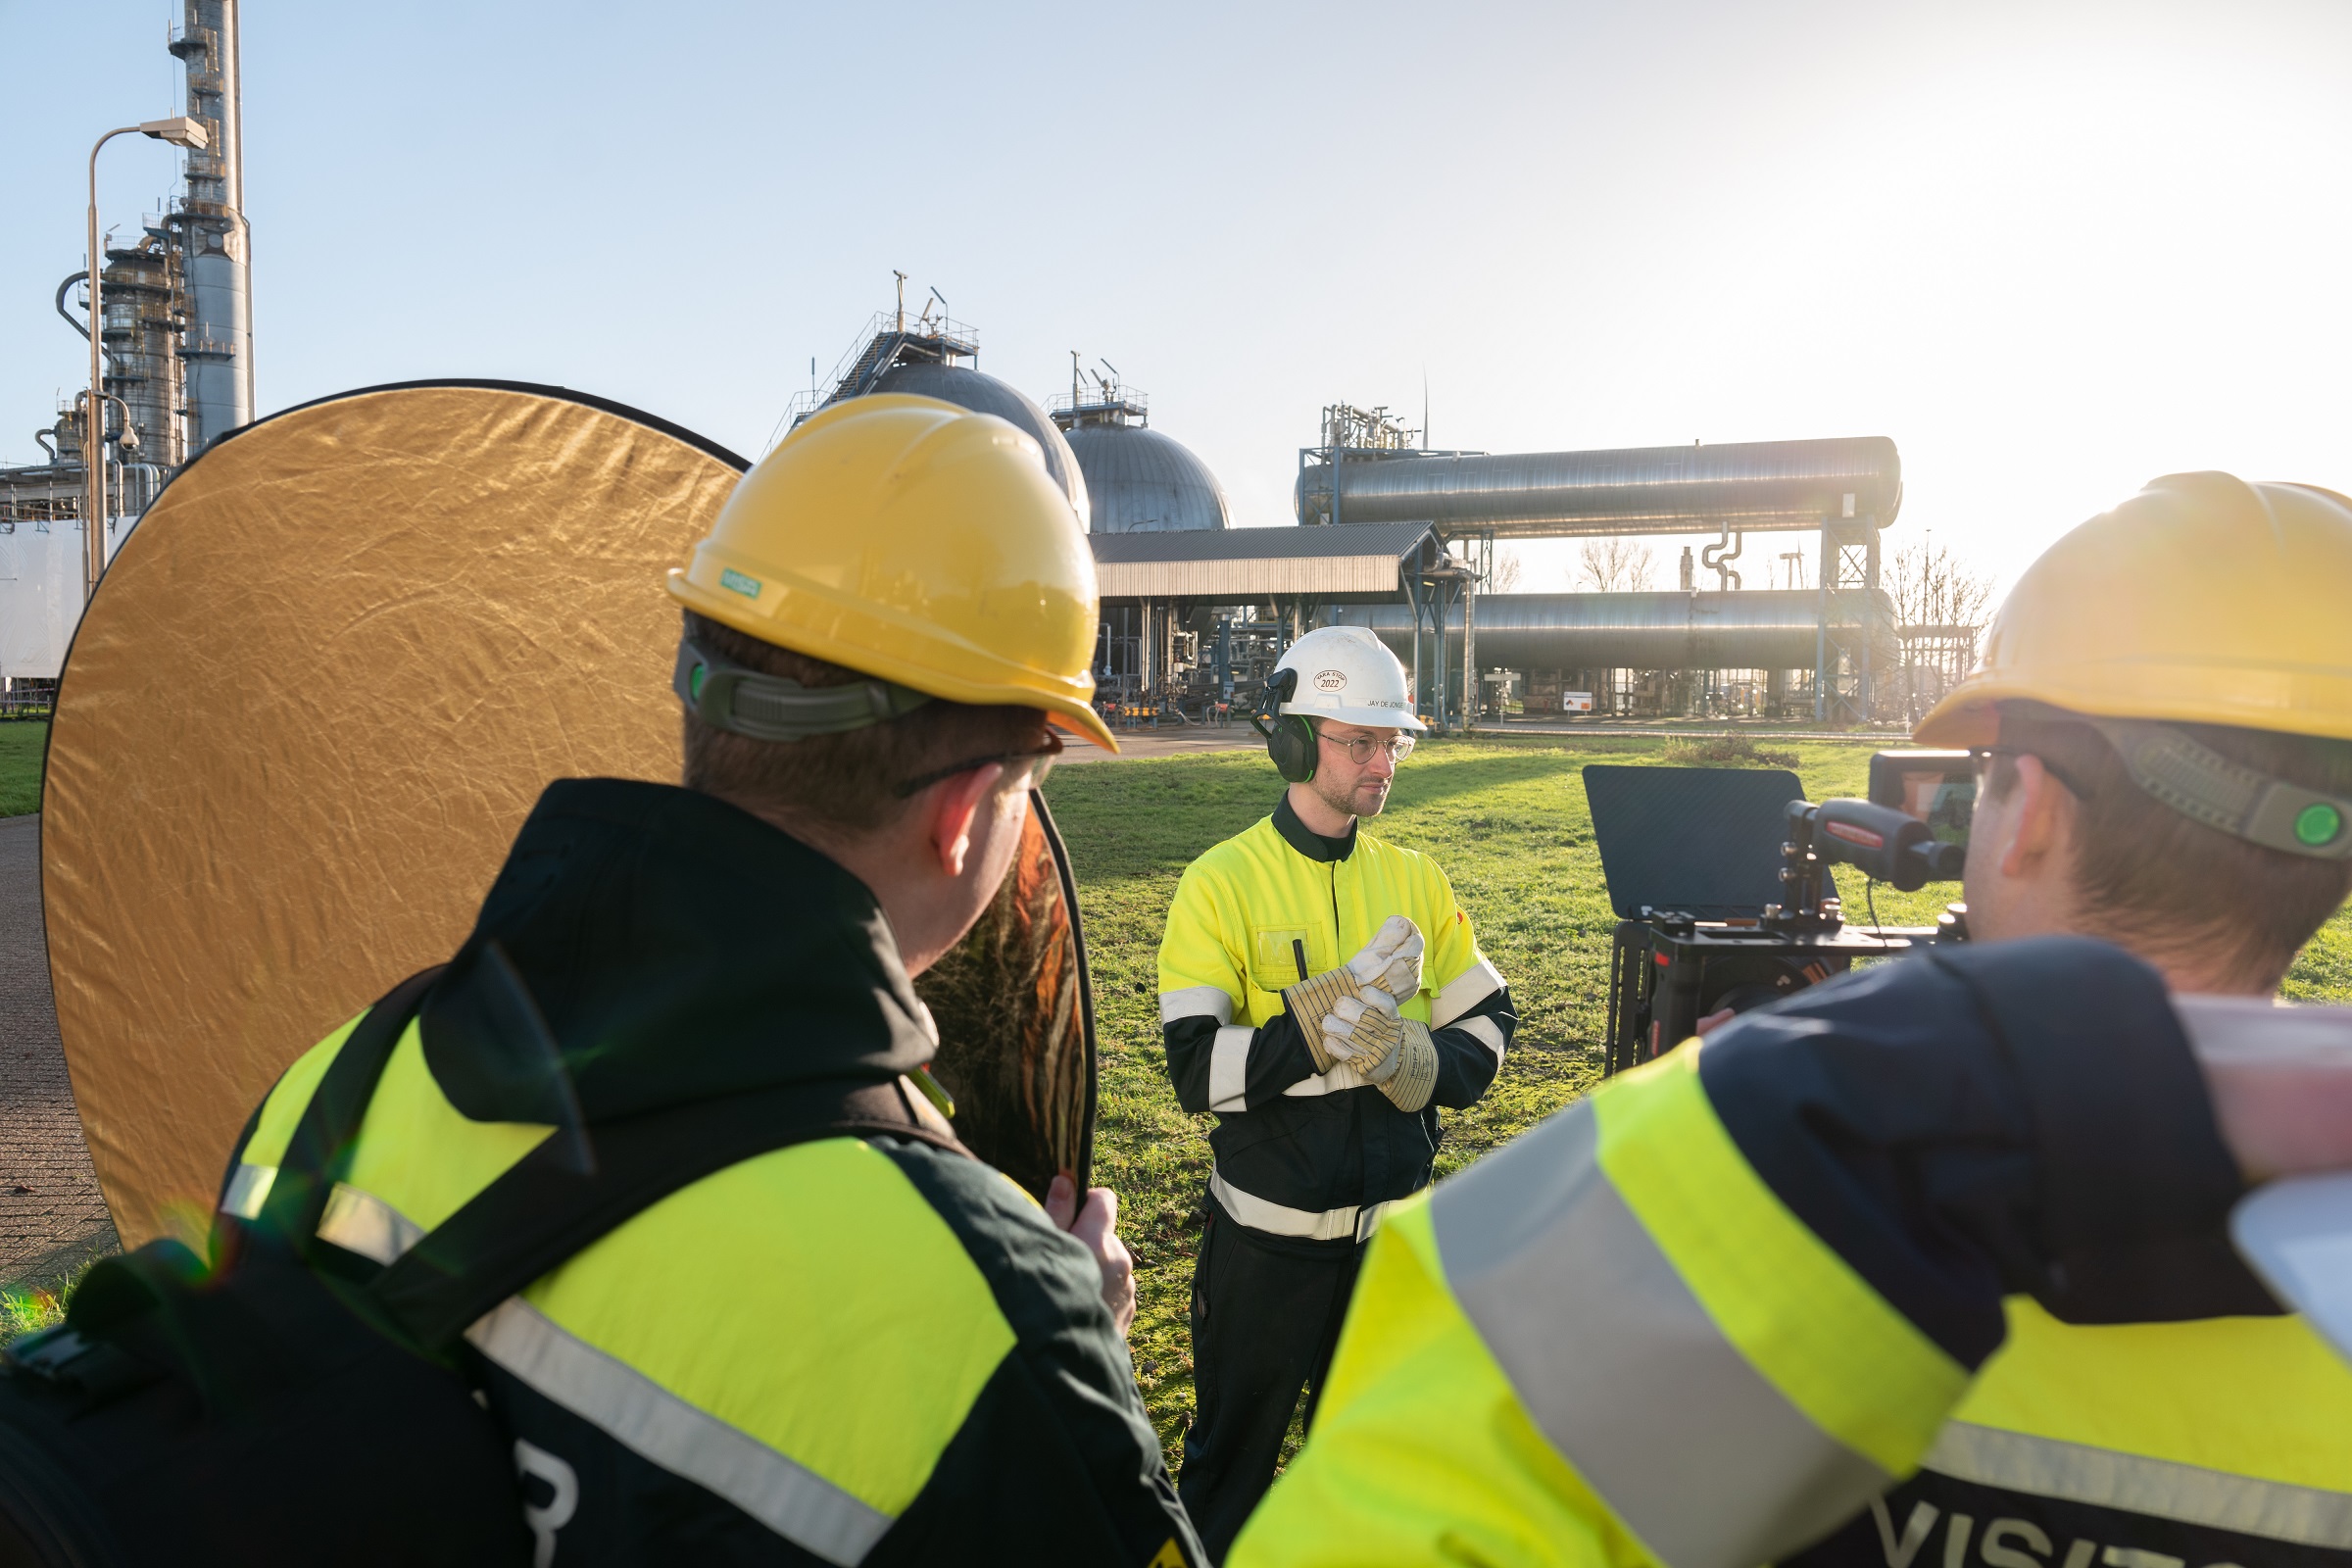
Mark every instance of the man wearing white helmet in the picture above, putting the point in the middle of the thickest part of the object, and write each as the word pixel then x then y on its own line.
pixel 1322 993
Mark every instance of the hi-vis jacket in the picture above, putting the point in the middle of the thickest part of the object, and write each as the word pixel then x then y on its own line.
pixel 849 1350
pixel 2217 1439
pixel 1701 1319
pixel 1314 1156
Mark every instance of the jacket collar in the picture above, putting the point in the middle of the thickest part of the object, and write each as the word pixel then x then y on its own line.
pixel 675 948
pixel 1306 840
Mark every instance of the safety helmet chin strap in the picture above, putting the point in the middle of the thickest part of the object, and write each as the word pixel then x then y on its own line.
pixel 728 696
pixel 2200 783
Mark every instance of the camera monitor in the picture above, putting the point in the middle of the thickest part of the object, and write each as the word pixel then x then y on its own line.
pixel 1702 841
pixel 1939 788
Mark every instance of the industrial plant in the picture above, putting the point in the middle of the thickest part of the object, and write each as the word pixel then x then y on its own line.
pixel 173 362
pixel 1391 535
pixel 1401 539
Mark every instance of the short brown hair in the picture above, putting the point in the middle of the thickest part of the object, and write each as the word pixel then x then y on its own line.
pixel 846 782
pixel 2159 881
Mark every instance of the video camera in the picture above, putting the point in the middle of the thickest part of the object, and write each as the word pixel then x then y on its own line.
pixel 1721 880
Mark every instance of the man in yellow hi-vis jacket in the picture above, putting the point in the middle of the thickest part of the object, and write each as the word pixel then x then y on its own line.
pixel 1959 1215
pixel 1323 994
pixel 865 1347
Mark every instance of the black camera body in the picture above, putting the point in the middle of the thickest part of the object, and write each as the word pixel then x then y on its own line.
pixel 1723 885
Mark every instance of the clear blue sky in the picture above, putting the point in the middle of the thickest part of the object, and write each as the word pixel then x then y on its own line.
pixel 2051 249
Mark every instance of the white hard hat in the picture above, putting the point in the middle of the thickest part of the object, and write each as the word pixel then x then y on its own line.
pixel 1347 675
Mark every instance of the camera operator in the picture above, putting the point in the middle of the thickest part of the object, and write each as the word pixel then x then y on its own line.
pixel 1705 1314
pixel 2155 675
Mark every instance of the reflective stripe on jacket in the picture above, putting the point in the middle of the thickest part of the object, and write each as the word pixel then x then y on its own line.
pixel 849 1350
pixel 2220 1440
pixel 1702 1317
pixel 1246 916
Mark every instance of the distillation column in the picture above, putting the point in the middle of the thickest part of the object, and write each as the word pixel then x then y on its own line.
pixel 219 347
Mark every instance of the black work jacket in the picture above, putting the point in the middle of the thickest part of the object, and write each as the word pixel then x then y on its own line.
pixel 679 948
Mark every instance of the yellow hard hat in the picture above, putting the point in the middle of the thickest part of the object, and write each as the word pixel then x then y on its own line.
pixel 2202 599
pixel 917 541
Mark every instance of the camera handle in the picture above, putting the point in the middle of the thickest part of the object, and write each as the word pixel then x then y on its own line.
pixel 1879 841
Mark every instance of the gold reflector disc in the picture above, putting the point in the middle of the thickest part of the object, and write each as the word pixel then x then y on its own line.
pixel 316 693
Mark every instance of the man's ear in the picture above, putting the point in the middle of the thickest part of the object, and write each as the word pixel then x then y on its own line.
pixel 2044 821
pixel 952 805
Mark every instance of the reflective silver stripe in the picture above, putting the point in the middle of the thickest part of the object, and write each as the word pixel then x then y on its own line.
pixel 1229 1068
pixel 248 1191
pixel 1463 992
pixel 791 1499
pixel 1623 1369
pixel 1489 1034
pixel 361 1222
pixel 1278 1219
pixel 1196 1001
pixel 2159 1488
pixel 1342 1075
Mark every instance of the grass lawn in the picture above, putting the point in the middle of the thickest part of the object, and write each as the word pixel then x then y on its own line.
pixel 21 742
pixel 1507 820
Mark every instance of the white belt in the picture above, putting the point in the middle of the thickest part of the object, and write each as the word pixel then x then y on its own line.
pixel 1355 1221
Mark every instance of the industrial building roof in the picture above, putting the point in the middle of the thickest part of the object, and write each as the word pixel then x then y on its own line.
pixel 1235 566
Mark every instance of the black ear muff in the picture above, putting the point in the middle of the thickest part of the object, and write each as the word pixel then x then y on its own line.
pixel 1293 747
pixel 1290 739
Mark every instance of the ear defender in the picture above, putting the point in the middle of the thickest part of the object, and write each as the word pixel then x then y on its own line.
pixel 1290 739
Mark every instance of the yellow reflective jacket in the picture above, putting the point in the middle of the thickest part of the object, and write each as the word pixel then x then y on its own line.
pixel 854 1350
pixel 1704 1316
pixel 2223 1439
pixel 1299 1152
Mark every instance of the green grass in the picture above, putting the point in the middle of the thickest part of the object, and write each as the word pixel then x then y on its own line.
pixel 1507 820
pixel 21 742
pixel 31 1305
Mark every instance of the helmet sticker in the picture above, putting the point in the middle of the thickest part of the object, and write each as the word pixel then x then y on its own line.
pixel 1330 680
pixel 749 587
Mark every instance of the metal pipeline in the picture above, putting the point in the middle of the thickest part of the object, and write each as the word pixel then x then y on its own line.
pixel 1718 556
pixel 78 277
pixel 1764 630
pixel 1755 485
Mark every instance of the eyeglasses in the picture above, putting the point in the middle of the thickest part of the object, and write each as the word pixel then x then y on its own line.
pixel 1023 770
pixel 1361 747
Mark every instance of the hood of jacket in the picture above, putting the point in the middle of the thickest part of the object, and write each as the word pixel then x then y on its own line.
pixel 644 946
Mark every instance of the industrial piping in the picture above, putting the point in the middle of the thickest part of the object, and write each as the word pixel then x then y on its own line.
pixel 1753 485
pixel 1761 629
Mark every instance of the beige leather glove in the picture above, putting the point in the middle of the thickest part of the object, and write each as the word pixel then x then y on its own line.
pixel 1394 1055
pixel 1310 1002
pixel 1364 1032
pixel 1391 958
pixel 1413 1077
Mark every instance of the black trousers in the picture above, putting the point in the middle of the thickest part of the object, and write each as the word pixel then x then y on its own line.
pixel 1267 1315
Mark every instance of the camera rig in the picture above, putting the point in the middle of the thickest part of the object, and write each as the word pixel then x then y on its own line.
pixel 1722 905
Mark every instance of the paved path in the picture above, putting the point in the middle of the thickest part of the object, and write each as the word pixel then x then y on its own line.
pixel 51 1217
pixel 1172 741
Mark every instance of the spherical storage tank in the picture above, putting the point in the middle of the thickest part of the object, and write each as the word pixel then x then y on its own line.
pixel 1144 482
pixel 985 394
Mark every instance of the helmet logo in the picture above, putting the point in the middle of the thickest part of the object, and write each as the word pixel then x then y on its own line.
pixel 1330 680
pixel 749 587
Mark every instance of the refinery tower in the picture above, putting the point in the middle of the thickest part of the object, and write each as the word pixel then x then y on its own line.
pixel 177 340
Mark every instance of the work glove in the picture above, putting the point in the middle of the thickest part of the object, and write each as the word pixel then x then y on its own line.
pixel 1392 957
pixel 1394 1055
pixel 1365 1031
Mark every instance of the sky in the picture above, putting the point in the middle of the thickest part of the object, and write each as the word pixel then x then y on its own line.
pixel 2053 250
